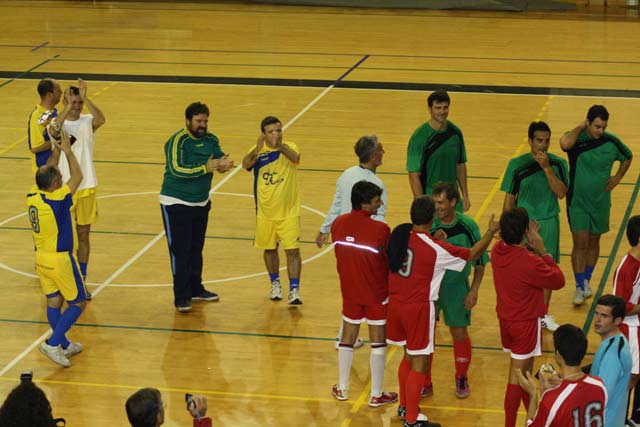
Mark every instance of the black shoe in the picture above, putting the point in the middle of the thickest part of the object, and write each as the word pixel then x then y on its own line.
pixel 402 411
pixel 206 296
pixel 89 296
pixel 421 423
pixel 183 307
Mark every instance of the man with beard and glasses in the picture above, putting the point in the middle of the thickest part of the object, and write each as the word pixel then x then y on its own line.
pixel 192 155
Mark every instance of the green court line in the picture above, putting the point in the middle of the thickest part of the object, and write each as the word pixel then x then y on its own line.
pixel 612 256
pixel 6 82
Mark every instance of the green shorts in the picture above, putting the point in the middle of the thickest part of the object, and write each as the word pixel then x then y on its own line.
pixel 451 302
pixel 595 221
pixel 550 233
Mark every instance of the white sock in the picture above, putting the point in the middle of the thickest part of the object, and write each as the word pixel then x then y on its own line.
pixel 345 357
pixel 376 362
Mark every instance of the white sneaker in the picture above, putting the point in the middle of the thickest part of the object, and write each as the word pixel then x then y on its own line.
pixel 587 291
pixel 56 354
pixel 73 349
pixel 276 291
pixel 359 343
pixel 578 298
pixel 548 322
pixel 294 297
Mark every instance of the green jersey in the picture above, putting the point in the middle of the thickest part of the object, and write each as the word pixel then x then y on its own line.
pixel 185 175
pixel 590 164
pixel 464 232
pixel 435 154
pixel 525 179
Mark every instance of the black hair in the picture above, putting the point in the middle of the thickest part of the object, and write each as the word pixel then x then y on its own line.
pixel 46 176
pixel 45 86
pixel 448 189
pixel 538 127
pixel 438 96
pixel 633 230
pixel 597 111
pixel 269 120
pixel 617 304
pixel 143 407
pixel 571 343
pixel 365 147
pixel 363 192
pixel 74 90
pixel 26 406
pixel 422 210
pixel 196 108
pixel 513 225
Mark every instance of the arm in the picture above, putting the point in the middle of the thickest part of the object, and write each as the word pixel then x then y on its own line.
pixel 289 153
pixel 461 174
pixel 555 184
pixel 74 167
pixel 198 410
pixel 334 211
pixel 613 181
pixel 568 140
pixel 55 126
pixel 98 115
pixel 472 296
pixel 509 202
pixel 416 184
pixel 546 272
pixel 481 245
pixel 528 384
pixel 252 156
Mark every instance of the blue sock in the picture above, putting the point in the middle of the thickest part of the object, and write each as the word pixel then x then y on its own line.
pixel 83 269
pixel 588 272
pixel 294 283
pixel 274 277
pixel 579 280
pixel 65 323
pixel 53 314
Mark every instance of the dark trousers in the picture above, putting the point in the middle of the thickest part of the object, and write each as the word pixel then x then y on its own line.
pixel 186 227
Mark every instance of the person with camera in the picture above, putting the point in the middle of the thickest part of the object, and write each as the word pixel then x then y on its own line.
pixel 146 409
pixel 28 406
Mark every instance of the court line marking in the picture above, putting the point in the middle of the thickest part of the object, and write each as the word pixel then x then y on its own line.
pixel 612 257
pixel 12 145
pixel 160 235
pixel 22 74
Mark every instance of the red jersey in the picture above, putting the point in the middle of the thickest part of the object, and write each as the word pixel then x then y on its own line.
pixel 626 284
pixel 578 403
pixel 360 245
pixel 520 277
pixel 423 269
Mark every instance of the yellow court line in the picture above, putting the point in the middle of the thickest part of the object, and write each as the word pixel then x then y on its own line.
pixel 4 150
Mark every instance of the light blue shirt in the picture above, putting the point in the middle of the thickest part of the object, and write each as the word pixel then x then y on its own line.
pixel 342 199
pixel 612 363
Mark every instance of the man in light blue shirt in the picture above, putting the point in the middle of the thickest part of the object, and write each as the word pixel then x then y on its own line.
pixel 369 151
pixel 612 362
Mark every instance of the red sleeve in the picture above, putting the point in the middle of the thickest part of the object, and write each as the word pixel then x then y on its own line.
pixel 202 422
pixel 546 273
pixel 623 285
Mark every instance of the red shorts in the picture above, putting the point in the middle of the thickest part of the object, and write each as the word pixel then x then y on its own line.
pixel 412 325
pixel 522 338
pixel 632 333
pixel 355 313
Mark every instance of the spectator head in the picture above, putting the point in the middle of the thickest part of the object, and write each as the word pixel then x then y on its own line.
pixel 570 343
pixel 145 408
pixel 197 119
pixel 514 225
pixel 27 406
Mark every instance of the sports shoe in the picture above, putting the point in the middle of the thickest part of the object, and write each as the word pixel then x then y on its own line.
pixel 587 291
pixel 276 291
pixel 88 296
pixel 55 353
pixel 294 297
pixel 183 307
pixel 578 297
pixel 548 322
pixel 206 296
pixel 631 423
pixel 385 398
pixel 402 411
pixel 422 421
pixel 359 343
pixel 426 391
pixel 339 394
pixel 462 387
pixel 73 349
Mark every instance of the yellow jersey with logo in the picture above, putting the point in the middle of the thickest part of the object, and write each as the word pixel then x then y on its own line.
pixel 53 225
pixel 275 184
pixel 38 135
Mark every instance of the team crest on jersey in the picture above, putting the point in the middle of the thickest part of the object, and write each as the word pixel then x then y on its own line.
pixel 46 117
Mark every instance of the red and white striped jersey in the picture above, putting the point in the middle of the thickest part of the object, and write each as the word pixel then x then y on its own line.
pixel 626 284
pixel 423 269
pixel 578 403
pixel 360 245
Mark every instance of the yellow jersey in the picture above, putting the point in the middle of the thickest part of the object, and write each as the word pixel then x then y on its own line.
pixel 53 225
pixel 275 184
pixel 37 134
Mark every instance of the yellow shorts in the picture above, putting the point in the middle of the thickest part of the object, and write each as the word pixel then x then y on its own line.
pixel 60 274
pixel 85 206
pixel 269 233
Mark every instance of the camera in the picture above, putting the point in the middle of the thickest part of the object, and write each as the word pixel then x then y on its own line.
pixel 26 377
pixel 188 397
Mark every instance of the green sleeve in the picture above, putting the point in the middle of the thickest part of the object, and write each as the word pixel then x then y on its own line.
pixel 507 181
pixel 463 150
pixel 415 151
pixel 623 151
pixel 564 172
pixel 174 150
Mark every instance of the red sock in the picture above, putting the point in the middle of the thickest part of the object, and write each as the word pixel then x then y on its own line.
pixel 427 378
pixel 403 374
pixel 512 398
pixel 525 399
pixel 414 387
pixel 462 356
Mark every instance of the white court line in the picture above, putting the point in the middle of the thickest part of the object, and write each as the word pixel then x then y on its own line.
pixel 159 236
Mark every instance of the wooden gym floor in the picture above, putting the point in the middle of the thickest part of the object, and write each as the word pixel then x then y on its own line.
pixel 331 75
